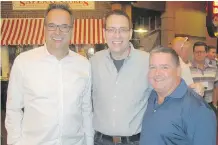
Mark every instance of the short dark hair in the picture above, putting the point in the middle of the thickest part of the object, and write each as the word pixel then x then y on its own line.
pixel 209 47
pixel 199 43
pixel 54 6
pixel 172 52
pixel 117 12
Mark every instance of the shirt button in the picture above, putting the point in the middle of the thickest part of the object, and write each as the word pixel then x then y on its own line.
pixel 155 110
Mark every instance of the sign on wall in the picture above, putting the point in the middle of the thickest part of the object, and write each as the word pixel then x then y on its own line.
pixel 42 5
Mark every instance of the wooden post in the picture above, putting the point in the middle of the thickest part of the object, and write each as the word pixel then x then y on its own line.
pixel 128 10
pixel 115 6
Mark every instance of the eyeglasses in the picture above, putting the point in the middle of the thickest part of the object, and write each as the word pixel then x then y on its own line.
pixel 63 28
pixel 200 52
pixel 120 30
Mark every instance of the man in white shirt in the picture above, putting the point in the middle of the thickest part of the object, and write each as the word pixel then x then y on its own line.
pixel 183 49
pixel 120 84
pixel 53 85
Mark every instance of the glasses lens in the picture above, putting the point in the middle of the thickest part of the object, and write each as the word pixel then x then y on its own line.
pixel 51 27
pixel 64 28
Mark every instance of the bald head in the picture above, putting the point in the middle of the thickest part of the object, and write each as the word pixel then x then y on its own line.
pixel 182 47
pixel 178 42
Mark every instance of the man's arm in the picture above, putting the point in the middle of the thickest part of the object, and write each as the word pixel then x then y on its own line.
pixel 203 126
pixel 87 113
pixel 14 113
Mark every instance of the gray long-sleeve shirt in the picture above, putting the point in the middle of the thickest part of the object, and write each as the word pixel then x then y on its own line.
pixel 120 98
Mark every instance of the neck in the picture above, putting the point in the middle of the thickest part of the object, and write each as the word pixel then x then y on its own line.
pixel 200 64
pixel 184 60
pixel 163 95
pixel 59 53
pixel 120 55
pixel 211 58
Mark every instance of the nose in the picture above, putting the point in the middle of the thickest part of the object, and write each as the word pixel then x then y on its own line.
pixel 157 72
pixel 58 31
pixel 117 33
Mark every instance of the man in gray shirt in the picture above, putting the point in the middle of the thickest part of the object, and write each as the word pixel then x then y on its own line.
pixel 120 85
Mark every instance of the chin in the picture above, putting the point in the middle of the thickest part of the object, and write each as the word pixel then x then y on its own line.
pixel 115 49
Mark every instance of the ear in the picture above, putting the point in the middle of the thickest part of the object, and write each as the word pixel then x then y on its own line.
pixel 130 34
pixel 179 71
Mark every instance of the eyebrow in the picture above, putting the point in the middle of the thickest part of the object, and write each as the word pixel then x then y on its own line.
pixel 118 27
pixel 160 65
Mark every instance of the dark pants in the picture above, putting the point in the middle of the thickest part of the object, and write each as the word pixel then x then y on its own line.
pixel 99 140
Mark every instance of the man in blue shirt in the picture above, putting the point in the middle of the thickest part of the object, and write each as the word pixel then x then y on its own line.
pixel 175 115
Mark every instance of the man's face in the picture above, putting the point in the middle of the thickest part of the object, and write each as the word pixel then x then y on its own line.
pixel 199 53
pixel 212 53
pixel 55 38
pixel 117 33
pixel 163 72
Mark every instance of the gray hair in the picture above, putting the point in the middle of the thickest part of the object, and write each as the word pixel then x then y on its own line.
pixel 172 52
pixel 60 6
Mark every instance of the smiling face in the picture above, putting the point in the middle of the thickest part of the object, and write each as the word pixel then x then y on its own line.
pixel 117 33
pixel 163 72
pixel 56 39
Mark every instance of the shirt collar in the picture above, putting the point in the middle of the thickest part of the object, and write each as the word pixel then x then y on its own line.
pixel 194 64
pixel 47 54
pixel 130 53
pixel 180 91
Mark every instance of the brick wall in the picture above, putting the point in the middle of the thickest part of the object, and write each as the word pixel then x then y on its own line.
pixel 100 9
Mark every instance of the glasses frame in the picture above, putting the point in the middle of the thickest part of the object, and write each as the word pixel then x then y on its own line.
pixel 115 30
pixel 59 26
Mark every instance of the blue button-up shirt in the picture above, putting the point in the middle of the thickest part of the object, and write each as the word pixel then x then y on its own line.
pixel 184 118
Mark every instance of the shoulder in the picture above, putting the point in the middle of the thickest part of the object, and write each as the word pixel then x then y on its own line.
pixel 100 55
pixel 193 103
pixel 29 55
pixel 197 114
pixel 141 54
pixel 79 58
pixel 140 59
pixel 81 62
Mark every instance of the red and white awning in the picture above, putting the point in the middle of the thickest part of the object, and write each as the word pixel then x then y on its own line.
pixel 88 31
pixel 30 31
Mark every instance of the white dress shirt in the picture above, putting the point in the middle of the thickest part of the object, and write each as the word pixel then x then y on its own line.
pixel 186 72
pixel 120 98
pixel 56 99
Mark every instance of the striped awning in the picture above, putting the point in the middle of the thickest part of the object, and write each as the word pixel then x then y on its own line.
pixel 30 31
pixel 88 31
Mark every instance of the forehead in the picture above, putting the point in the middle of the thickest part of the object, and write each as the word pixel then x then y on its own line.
pixel 212 50
pixel 199 48
pixel 58 16
pixel 161 59
pixel 117 21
